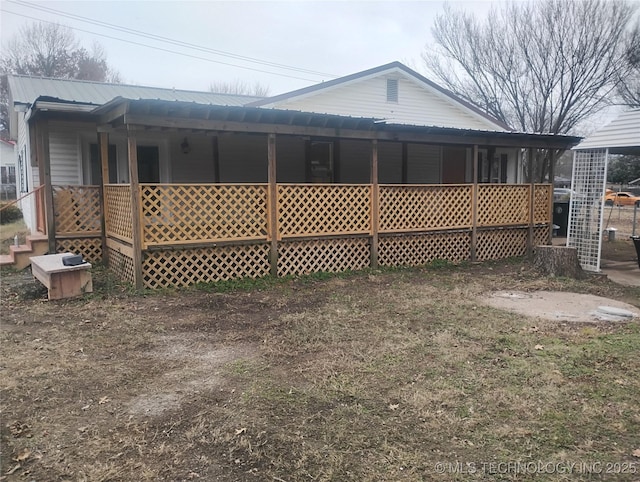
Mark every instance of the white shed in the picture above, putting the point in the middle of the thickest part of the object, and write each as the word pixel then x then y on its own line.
pixel 590 158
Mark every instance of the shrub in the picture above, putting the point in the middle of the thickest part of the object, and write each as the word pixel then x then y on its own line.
pixel 10 214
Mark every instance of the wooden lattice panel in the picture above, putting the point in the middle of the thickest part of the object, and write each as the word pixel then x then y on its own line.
pixel 417 208
pixel 77 210
pixel 542 203
pixel 331 255
pixel 121 265
pixel 541 236
pixel 316 210
pixel 416 250
pixel 501 243
pixel 503 204
pixel 89 248
pixel 183 213
pixel 204 265
pixel 118 207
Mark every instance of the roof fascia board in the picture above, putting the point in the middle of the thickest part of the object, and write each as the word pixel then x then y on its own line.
pixel 112 110
pixel 62 106
pixel 505 139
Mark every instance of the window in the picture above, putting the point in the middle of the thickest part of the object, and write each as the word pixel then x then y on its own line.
pixel 8 174
pixel 24 185
pixel 392 90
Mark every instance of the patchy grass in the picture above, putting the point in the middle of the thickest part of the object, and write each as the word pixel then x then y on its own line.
pixel 372 376
pixel 8 232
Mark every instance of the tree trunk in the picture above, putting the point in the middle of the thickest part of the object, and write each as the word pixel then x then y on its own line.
pixel 558 261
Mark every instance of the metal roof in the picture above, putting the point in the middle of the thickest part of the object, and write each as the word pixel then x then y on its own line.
pixel 180 115
pixel 622 133
pixel 25 90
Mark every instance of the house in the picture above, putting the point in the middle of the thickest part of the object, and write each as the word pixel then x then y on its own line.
pixel 7 170
pixel 171 187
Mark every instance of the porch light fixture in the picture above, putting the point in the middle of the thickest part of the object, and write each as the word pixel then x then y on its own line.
pixel 185 147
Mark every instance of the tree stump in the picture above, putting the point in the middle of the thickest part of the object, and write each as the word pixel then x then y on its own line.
pixel 558 261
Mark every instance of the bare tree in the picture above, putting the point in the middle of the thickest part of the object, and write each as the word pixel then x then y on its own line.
pixel 539 66
pixel 239 87
pixel 51 50
pixel 629 87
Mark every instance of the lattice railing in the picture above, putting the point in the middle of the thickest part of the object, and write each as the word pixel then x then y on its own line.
pixel 77 210
pixel 421 208
pixel 419 249
pixel 188 213
pixel 501 243
pixel 317 210
pixel 184 267
pixel 542 203
pixel 121 265
pixel 118 208
pixel 89 248
pixel 330 255
pixel 503 204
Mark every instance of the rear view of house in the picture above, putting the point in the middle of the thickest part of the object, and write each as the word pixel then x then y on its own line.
pixel 168 187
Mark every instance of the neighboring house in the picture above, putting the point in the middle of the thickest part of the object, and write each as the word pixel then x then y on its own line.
pixel 373 168
pixel 7 170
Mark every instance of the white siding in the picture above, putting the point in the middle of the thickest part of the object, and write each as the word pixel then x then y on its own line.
pixel 417 104
pixel 27 205
pixel 424 164
pixel 65 153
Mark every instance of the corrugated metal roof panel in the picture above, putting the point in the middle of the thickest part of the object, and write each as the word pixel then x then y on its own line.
pixel 25 90
pixel 624 131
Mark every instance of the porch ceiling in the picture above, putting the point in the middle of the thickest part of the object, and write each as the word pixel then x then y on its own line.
pixel 123 113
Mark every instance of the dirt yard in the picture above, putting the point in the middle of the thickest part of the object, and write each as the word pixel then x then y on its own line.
pixel 621 218
pixel 398 375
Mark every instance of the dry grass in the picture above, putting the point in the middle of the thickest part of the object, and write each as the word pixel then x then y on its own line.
pixel 621 218
pixel 375 376
pixel 8 232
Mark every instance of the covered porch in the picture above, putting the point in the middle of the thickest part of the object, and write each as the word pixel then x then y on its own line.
pixel 320 193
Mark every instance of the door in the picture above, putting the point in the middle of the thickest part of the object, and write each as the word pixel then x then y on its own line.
pixel 148 164
pixel 454 163
pixel 320 162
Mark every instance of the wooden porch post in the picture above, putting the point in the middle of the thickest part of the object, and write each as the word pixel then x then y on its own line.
pixel 474 206
pixel 273 204
pixel 532 197
pixel 552 175
pixel 103 142
pixel 375 204
pixel 136 224
pixel 44 163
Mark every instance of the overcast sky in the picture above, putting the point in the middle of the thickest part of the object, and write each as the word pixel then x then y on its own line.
pixel 328 38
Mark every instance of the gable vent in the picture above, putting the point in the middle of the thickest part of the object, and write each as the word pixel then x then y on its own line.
pixel 392 90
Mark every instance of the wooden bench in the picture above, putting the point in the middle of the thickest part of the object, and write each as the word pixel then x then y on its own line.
pixel 61 281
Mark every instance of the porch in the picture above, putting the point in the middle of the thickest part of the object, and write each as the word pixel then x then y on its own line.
pixel 201 233
pixel 158 234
